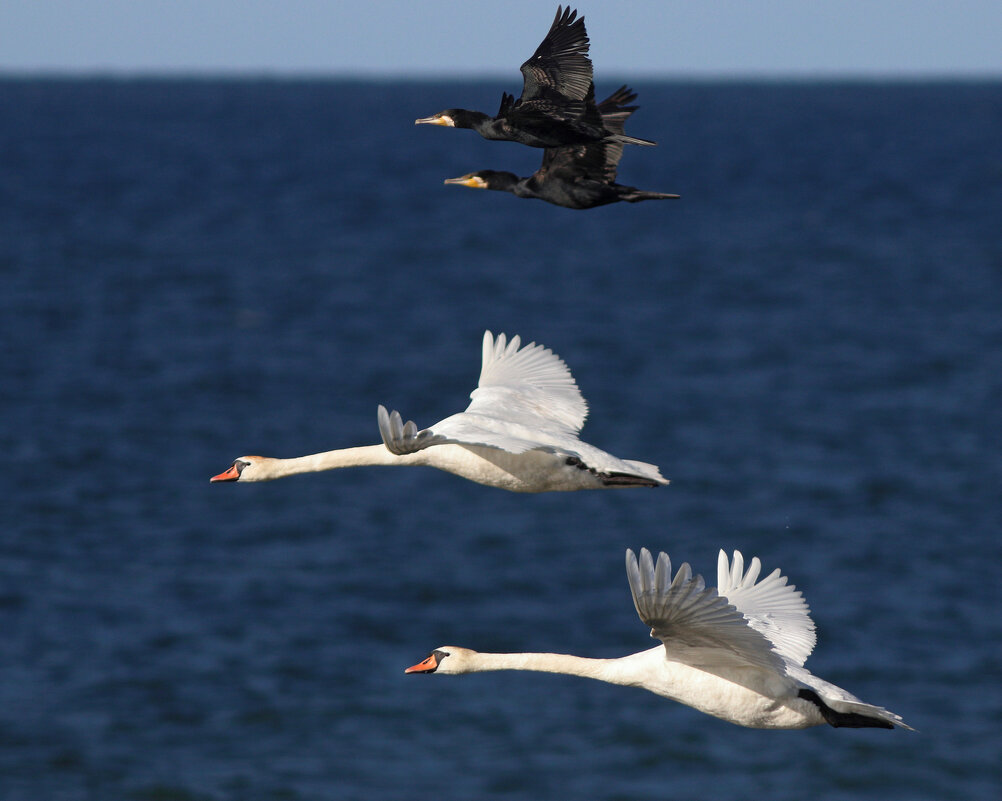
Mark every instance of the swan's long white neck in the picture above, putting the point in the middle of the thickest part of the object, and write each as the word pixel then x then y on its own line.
pixel 610 670
pixel 332 460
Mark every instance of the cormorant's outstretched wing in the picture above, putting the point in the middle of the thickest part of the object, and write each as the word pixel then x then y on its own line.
pixel 507 103
pixel 614 111
pixel 560 64
pixel 595 161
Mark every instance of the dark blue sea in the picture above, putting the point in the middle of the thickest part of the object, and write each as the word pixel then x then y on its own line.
pixel 809 344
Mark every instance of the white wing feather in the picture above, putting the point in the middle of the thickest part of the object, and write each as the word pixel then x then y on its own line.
pixel 529 386
pixel 526 399
pixel 772 606
pixel 696 625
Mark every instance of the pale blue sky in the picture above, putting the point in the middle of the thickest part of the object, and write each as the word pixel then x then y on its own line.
pixel 468 38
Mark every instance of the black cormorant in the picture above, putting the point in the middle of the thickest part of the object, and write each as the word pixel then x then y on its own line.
pixel 557 106
pixel 577 176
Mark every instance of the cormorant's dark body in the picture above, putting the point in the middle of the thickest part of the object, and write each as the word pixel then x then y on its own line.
pixel 578 176
pixel 557 106
pixel 571 194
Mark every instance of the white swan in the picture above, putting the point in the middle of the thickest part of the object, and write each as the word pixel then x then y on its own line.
pixel 520 433
pixel 735 652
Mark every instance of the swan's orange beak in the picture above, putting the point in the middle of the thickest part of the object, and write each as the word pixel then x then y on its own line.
pixel 227 475
pixel 430 665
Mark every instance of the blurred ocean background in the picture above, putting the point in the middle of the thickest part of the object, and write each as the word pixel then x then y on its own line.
pixel 809 344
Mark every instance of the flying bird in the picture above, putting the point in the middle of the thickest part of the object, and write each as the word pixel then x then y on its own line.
pixel 557 105
pixel 735 652
pixel 519 433
pixel 574 176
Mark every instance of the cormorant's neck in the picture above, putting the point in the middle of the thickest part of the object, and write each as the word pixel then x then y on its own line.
pixel 476 120
pixel 502 181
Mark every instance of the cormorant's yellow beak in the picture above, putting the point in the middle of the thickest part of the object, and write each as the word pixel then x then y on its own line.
pixel 437 119
pixel 472 181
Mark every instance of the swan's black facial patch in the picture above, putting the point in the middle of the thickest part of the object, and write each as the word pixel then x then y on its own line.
pixel 429 664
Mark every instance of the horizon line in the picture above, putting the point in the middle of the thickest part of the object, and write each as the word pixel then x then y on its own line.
pixel 385 76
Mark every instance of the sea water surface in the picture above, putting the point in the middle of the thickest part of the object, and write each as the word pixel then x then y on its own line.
pixel 809 344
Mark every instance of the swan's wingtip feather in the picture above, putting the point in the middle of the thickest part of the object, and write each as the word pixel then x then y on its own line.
pixel 646 569
pixel 487 349
pixel 662 572
pixel 383 421
pixel 682 575
pixel 632 570
pixel 737 568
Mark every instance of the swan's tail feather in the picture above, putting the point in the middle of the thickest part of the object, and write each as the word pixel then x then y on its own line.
pixel 862 716
pixel 647 472
pixel 629 481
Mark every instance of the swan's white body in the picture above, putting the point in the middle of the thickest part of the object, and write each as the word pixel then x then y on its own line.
pixel 735 652
pixel 519 433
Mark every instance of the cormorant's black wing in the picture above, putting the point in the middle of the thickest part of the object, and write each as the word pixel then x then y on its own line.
pixel 560 63
pixel 596 161
pixel 614 111
pixel 507 102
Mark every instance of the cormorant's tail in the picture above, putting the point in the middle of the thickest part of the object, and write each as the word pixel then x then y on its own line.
pixel 631 140
pixel 636 195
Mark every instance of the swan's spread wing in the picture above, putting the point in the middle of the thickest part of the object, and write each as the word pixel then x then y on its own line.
pixel 529 388
pixel 461 429
pixel 772 606
pixel 526 399
pixel 695 624
pixel 402 438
